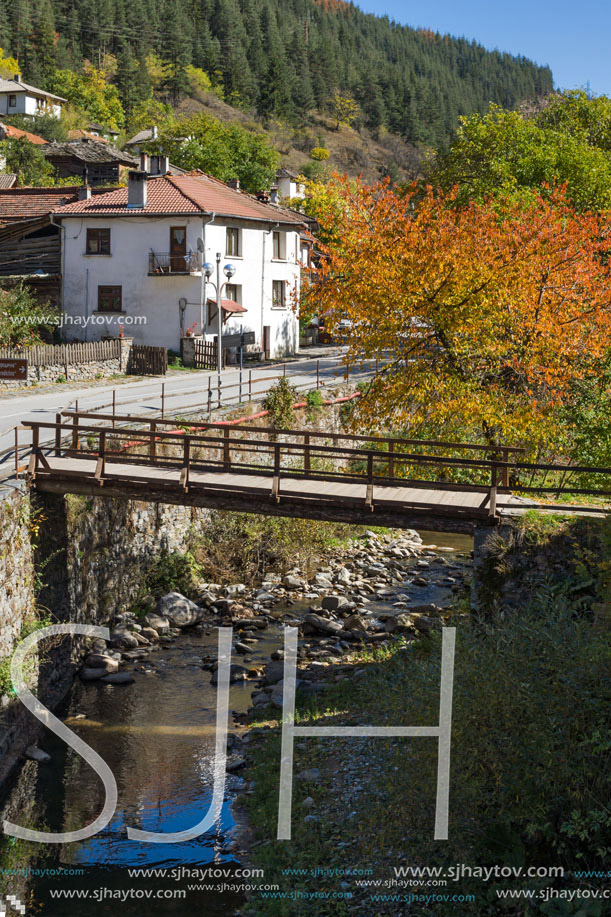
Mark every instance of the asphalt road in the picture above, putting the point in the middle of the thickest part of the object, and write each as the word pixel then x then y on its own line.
pixel 184 392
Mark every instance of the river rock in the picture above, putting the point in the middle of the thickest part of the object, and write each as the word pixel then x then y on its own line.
pixel 325 625
pixel 34 753
pixel 123 639
pixel 119 678
pixel 94 674
pixel 236 589
pixel 151 634
pixel 243 648
pixel 355 622
pixel 179 610
pixel 235 764
pixel 293 582
pixel 237 673
pixel 335 602
pixel 312 775
pixel 102 661
pixel 159 623
pixel 273 673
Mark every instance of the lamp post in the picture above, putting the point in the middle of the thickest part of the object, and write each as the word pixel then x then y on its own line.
pixel 229 270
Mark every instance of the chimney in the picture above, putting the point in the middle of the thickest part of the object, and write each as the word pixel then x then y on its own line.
pixel 163 165
pixel 273 195
pixel 16 78
pixel 234 183
pixel 84 193
pixel 144 162
pixel 262 196
pixel 136 189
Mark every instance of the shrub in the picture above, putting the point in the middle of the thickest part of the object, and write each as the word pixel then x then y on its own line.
pixel 279 402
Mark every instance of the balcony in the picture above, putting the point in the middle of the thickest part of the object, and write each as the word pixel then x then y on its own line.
pixel 171 263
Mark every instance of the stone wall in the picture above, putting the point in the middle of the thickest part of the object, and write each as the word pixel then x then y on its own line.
pixel 72 371
pixel 90 557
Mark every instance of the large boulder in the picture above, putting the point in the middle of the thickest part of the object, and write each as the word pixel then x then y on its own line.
pixel 336 603
pixel 179 610
pixel 102 661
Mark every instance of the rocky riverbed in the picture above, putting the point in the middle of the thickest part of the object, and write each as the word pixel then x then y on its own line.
pixel 146 699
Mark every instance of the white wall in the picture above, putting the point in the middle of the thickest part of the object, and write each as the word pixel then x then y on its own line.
pixel 156 299
pixel 26 105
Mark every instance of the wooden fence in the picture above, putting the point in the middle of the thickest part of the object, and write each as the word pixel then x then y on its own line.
pixel 148 361
pixel 61 354
pixel 206 354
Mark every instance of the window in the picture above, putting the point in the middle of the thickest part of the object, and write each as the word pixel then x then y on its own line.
pixel 304 255
pixel 278 294
pixel 98 242
pixel 279 246
pixel 234 291
pixel 12 101
pixel 234 242
pixel 109 299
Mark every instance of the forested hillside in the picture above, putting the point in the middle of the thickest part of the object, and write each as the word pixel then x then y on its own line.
pixel 282 58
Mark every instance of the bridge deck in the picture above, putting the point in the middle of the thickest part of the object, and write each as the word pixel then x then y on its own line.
pixel 389 505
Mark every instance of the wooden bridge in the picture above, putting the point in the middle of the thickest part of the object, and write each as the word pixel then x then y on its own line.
pixel 367 480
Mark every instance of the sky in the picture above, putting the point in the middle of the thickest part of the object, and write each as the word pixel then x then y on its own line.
pixel 573 38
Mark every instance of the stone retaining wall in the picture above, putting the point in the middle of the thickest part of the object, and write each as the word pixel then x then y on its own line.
pixel 69 371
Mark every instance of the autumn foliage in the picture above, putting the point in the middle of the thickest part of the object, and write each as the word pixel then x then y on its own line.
pixel 490 313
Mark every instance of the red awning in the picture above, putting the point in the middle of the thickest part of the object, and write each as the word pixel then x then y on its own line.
pixel 228 305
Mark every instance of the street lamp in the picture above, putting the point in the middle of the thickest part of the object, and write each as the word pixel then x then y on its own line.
pixel 229 271
pixel 207 270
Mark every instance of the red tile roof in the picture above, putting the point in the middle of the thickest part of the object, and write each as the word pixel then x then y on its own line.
pixel 194 193
pixel 29 203
pixel 15 133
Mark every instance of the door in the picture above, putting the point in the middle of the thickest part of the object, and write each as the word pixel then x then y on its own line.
pixel 266 340
pixel 178 249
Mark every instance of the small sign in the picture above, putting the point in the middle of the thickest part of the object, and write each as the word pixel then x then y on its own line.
pixel 239 340
pixel 14 369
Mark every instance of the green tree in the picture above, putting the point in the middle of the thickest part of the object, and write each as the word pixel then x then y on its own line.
pixel 223 150
pixel 505 152
pixel 27 161
pixel 21 317
pixel 344 109
pixel 91 92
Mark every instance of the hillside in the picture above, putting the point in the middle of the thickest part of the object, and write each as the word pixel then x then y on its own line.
pixel 279 59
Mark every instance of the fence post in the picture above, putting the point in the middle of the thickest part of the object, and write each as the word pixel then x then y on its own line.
pixel 226 451
pixel 240 394
pixel 505 471
pixel 209 398
pixel 306 454
pixel 58 434
pixel 17 452
pixel 391 459
pixel 101 465
pixel 377 363
pixel 284 369
pixel 184 474
pixel 75 432
pixel 492 507
pixel 34 456
pixel 153 441
pixel 318 374
pixel 162 399
pixel 114 405
pixel 369 497
pixel 219 394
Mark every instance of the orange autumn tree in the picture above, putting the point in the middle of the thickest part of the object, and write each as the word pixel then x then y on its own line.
pixel 488 314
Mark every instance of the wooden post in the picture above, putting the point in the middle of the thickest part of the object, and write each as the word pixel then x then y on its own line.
pixel 101 463
pixel 162 399
pixel 492 506
pixel 58 434
pixel 369 497
pixel 114 405
pixel 505 471
pixel 306 455
pixel 391 459
pixel 284 369
pixel 184 474
pixel 153 442
pixel 275 494
pixel 250 384
pixel 17 452
pixel 318 374
pixel 240 389
pixel 33 465
pixel 75 432
pixel 377 363
pixel 226 451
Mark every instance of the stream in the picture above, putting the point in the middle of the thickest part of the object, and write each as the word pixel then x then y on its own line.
pixel 158 737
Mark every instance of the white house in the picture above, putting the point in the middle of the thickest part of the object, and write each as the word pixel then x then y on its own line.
pixel 288 184
pixel 133 257
pixel 19 98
